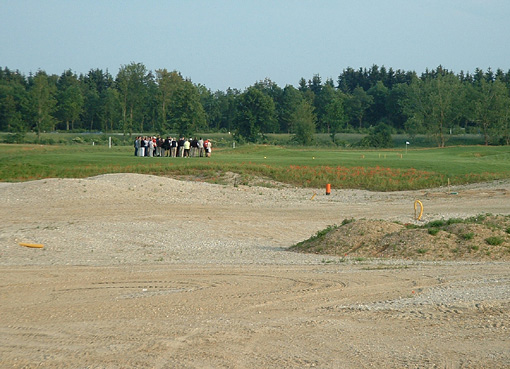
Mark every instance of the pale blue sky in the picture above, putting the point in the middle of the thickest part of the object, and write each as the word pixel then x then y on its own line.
pixel 223 44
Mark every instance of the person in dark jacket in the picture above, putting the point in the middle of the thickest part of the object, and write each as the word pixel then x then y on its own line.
pixel 174 147
pixel 180 147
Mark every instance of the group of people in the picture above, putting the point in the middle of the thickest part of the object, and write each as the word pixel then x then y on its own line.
pixel 172 147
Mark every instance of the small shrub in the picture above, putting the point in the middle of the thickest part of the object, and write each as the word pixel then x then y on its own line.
pixel 477 219
pixel 309 243
pixel 328 261
pixel 347 221
pixel 454 221
pixel 494 240
pixel 379 136
pixel 411 226
pixel 468 236
pixel 421 251
pixel 436 224
pixel 18 137
pixel 492 225
pixel 47 141
pixel 323 232
pixel 433 231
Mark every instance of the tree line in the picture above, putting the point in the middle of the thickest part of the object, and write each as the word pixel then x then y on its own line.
pixel 377 101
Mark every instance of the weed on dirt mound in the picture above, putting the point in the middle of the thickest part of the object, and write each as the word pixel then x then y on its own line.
pixel 480 238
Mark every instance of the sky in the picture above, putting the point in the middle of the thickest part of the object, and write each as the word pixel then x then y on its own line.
pixel 235 43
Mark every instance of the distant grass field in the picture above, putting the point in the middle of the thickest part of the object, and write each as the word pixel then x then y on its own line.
pixel 384 170
pixel 224 139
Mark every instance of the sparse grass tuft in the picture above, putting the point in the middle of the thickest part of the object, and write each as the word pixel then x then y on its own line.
pixel 436 224
pixel 494 240
pixel 454 221
pixel 312 241
pixel 433 231
pixel 347 221
pixel 468 236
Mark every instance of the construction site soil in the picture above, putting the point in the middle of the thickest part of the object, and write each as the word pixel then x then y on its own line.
pixel 141 271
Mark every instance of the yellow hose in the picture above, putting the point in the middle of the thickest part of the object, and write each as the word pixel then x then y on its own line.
pixel 33 245
pixel 416 208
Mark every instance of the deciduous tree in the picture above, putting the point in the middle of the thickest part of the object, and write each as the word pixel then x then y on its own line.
pixel 335 114
pixel 304 123
pixel 13 99
pixel 490 107
pixel 70 99
pixel 433 104
pixel 187 115
pixel 42 103
pixel 255 112
pixel 132 83
pixel 168 83
pixel 291 100
pixel 358 104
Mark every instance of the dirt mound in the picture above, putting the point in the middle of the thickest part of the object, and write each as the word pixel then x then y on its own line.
pixel 481 238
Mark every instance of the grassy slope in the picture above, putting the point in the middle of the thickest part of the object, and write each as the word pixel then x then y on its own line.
pixel 299 166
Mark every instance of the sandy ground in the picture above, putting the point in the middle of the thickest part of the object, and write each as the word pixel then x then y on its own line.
pixel 148 272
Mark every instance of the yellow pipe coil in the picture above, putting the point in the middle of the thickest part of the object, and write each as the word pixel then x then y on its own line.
pixel 416 208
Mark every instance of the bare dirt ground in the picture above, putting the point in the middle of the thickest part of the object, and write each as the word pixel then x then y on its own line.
pixel 149 272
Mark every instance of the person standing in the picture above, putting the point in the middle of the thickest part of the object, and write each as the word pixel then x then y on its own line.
pixel 159 146
pixel 180 147
pixel 150 147
pixel 200 147
pixel 194 147
pixel 174 148
pixel 206 143
pixel 165 147
pixel 147 145
pixel 137 145
pixel 187 146
pixel 141 148
pixel 209 149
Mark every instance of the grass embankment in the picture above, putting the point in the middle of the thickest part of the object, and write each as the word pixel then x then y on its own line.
pixel 484 237
pixel 383 170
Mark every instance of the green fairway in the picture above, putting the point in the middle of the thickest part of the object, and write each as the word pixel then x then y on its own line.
pixel 386 170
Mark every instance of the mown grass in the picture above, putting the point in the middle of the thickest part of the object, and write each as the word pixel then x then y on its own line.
pixel 384 170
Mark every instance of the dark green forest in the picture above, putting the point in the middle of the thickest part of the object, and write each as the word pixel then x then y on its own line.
pixel 376 101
